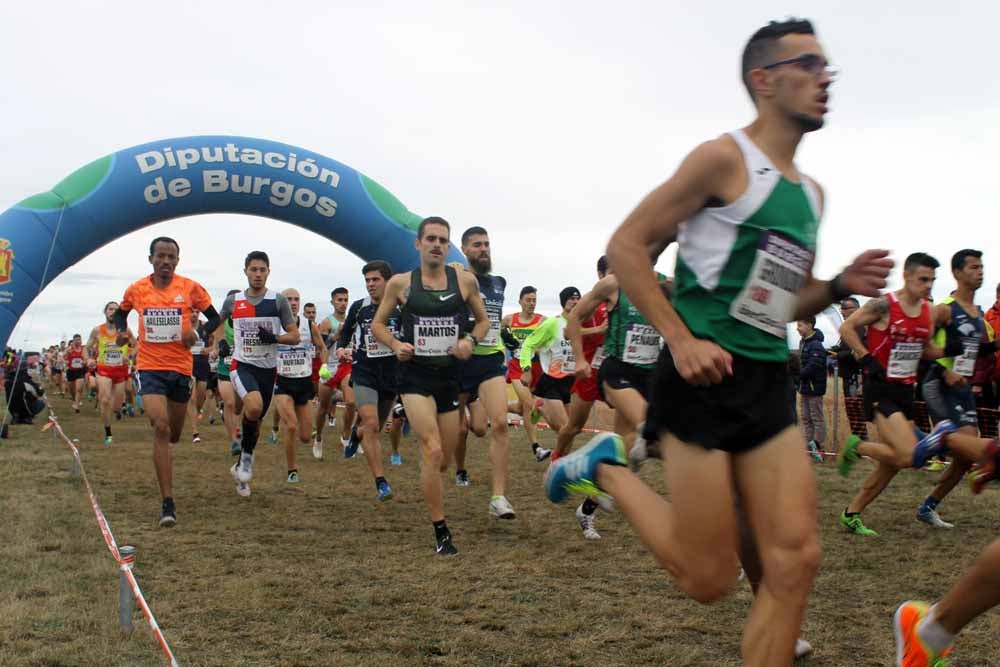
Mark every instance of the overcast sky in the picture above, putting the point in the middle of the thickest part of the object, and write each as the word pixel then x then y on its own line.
pixel 543 122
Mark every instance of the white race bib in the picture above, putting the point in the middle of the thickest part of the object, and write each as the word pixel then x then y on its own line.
pixel 295 361
pixel 198 347
pixel 598 358
pixel 965 364
pixel 76 363
pixel 161 325
pixel 492 336
pixel 904 359
pixel 113 356
pixel 768 298
pixel 642 344
pixel 251 347
pixel 434 336
pixel 374 349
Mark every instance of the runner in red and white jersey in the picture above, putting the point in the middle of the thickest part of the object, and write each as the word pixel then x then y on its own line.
pixel 900 326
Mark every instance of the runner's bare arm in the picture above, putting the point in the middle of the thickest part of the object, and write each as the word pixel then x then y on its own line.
pixel 698 180
pixel 866 276
pixel 380 323
pixel 317 341
pixel 873 312
pixel 574 331
pixel 470 289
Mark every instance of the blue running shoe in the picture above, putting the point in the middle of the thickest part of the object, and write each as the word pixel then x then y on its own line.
pixel 577 472
pixel 235 448
pixel 351 448
pixel 384 491
pixel 933 444
pixel 396 459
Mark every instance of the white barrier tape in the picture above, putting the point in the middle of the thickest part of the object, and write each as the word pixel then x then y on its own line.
pixel 109 539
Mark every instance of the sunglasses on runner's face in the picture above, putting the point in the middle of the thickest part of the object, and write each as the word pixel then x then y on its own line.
pixel 809 62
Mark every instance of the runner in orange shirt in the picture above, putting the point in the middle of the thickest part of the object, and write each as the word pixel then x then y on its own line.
pixel 164 301
pixel 112 366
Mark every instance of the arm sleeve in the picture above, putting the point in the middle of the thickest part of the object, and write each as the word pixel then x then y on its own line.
pixel 214 320
pixel 120 317
pixel 540 337
pixel 284 311
pixel 227 307
pixel 347 328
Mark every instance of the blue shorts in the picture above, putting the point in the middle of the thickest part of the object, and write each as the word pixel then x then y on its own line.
pixel 479 368
pixel 175 386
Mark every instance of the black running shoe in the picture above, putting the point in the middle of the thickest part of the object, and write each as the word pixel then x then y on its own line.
pixel 168 515
pixel 444 544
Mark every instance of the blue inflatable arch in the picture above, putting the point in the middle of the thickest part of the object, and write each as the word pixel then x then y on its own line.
pixel 47 233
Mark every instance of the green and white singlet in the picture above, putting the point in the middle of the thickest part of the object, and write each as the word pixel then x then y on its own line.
pixel 740 266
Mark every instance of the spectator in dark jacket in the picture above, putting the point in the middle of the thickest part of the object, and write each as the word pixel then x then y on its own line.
pixel 812 385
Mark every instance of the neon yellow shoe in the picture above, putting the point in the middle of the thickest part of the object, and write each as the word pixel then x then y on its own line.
pixel 855 525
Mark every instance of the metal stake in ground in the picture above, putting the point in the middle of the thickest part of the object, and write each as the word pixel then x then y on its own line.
pixel 126 600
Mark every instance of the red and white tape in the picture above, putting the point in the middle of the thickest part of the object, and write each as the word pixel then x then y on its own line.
pixel 125 564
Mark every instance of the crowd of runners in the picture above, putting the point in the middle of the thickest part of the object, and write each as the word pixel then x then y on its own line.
pixel 695 369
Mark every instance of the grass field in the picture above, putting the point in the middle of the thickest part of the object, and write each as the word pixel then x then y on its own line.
pixel 322 574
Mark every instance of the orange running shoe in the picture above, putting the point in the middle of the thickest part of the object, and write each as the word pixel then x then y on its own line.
pixel 910 650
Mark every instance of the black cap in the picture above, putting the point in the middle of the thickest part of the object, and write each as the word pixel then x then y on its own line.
pixel 568 293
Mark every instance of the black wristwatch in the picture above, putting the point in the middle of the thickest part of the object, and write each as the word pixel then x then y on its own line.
pixel 475 341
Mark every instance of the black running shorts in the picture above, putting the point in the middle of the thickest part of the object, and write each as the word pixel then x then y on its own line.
pixel 744 411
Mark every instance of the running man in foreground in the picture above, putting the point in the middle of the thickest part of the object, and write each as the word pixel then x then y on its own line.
pixel 434 302
pixel 164 301
pixel 746 220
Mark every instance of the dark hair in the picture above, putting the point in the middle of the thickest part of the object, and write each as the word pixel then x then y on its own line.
pixel 339 290
pixel 919 259
pixel 762 48
pixel 602 264
pixel 811 321
pixel 232 292
pixel 108 304
pixel 857 304
pixel 527 289
pixel 380 265
pixel 163 239
pixel 433 220
pixel 958 259
pixel 257 254
pixel 473 231
pixel 308 305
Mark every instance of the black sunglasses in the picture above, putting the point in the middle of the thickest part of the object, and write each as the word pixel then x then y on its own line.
pixel 810 62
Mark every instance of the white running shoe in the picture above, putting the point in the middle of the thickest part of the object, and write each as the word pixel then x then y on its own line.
pixel 541 454
pixel 638 453
pixel 802 647
pixel 500 508
pixel 587 524
pixel 318 450
pixel 932 518
pixel 244 473
pixel 605 502
pixel 331 421
pixel 242 488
